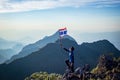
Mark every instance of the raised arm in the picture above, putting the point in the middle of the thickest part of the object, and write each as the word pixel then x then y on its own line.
pixel 66 49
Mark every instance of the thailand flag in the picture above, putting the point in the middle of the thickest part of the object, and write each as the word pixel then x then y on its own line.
pixel 62 32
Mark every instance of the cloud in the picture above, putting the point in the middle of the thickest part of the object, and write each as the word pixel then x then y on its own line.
pixel 28 5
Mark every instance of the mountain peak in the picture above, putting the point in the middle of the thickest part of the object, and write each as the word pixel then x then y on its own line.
pixel 102 46
pixel 39 44
pixel 104 41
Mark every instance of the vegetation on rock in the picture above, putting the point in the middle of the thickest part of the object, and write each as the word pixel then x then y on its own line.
pixel 44 76
pixel 108 68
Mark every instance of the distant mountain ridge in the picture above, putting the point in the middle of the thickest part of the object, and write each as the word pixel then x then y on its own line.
pixel 99 45
pixel 37 45
pixel 7 53
pixel 8 49
pixel 113 37
pixel 51 58
pixel 5 44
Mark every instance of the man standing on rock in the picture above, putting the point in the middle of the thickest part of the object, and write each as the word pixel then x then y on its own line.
pixel 70 61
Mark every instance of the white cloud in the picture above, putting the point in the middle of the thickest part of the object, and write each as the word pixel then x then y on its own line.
pixel 28 5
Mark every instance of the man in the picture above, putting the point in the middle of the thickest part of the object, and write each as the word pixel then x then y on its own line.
pixel 70 61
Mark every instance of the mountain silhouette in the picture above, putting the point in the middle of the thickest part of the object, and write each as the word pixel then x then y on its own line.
pixel 51 58
pixel 37 45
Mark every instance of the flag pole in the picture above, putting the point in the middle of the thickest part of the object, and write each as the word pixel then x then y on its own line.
pixel 60 41
pixel 62 33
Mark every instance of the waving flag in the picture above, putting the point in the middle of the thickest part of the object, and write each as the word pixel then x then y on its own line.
pixel 62 32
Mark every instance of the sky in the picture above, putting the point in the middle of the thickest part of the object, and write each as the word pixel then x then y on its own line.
pixel 34 19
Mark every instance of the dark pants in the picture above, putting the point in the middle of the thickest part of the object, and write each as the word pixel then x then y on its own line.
pixel 70 65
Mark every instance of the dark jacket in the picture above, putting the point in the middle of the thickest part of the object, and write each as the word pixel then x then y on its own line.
pixel 71 55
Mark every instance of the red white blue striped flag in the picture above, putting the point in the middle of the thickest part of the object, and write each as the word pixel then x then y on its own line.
pixel 63 32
